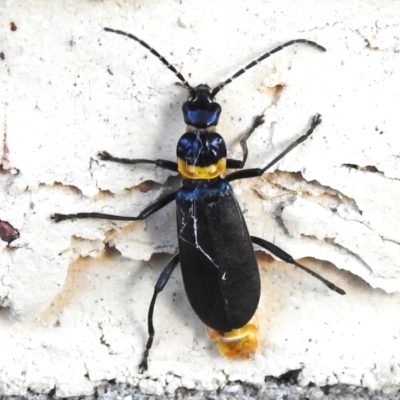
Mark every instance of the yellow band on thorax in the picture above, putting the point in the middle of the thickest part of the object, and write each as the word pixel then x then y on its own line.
pixel 196 172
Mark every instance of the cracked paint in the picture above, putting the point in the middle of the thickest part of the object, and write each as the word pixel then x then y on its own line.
pixel 74 296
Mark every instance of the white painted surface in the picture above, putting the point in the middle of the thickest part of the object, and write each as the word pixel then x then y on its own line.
pixel 69 90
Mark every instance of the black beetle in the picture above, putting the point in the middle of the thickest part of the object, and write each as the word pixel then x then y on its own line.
pixel 219 268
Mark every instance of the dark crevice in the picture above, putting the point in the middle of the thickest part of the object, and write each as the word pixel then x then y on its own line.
pixel 289 377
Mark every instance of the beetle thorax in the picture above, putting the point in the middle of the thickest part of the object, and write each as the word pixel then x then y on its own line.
pixel 201 155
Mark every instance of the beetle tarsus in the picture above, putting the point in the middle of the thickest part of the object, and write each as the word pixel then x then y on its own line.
pixel 143 366
pixel 59 217
pixel 104 155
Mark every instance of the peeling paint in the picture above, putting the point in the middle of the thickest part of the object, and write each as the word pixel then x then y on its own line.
pixel 73 311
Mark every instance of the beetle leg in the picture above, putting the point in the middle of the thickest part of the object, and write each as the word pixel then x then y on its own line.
pixel 278 252
pixel 164 164
pixel 238 164
pixel 162 281
pixel 254 172
pixel 151 209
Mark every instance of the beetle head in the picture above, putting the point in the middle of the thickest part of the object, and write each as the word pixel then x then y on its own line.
pixel 200 110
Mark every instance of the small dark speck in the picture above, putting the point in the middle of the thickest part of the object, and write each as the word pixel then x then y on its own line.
pixel 71 43
pixel 109 71
pixel 2 56
pixel 7 232
pixel 13 27
pixel 353 166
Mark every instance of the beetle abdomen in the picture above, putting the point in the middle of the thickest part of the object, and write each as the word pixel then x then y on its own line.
pixel 219 269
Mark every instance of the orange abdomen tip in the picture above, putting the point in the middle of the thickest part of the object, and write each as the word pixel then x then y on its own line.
pixel 239 343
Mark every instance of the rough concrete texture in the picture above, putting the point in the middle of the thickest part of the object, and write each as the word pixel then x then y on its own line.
pixel 74 296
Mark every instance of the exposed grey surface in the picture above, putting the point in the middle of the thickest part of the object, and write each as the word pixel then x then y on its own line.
pixel 283 388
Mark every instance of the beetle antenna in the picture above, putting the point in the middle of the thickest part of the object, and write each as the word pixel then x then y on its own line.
pixel 263 57
pixel 185 84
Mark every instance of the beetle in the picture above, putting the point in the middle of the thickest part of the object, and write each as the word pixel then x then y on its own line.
pixel 219 268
